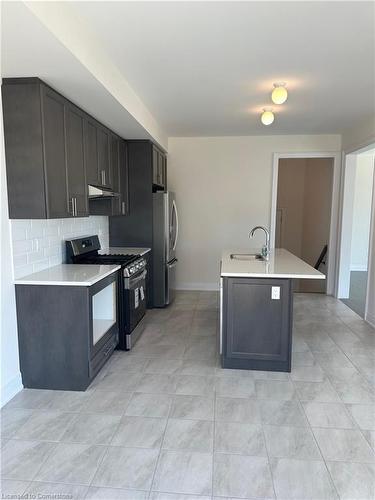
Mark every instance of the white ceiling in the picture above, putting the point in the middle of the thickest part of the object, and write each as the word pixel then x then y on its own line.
pixel 207 68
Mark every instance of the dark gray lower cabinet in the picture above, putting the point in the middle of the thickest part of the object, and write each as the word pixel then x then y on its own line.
pixel 63 333
pixel 256 328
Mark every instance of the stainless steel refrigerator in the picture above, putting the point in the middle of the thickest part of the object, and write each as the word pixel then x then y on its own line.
pixel 165 236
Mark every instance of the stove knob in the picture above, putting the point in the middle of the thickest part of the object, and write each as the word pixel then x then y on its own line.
pixel 131 270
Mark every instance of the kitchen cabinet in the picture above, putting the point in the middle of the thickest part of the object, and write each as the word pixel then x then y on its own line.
pixel 34 132
pixel 66 333
pixel 76 175
pixel 54 150
pixel 256 329
pixel 123 179
pixel 97 140
pixel 137 228
pixel 91 151
pixel 119 204
pixel 159 168
pixel 104 160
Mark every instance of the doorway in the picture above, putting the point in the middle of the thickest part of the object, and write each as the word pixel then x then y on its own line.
pixel 358 194
pixel 303 214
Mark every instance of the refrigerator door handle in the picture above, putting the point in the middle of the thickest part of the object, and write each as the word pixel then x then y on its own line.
pixel 176 213
pixel 173 263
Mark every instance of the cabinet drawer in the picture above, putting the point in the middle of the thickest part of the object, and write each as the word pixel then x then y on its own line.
pixel 103 355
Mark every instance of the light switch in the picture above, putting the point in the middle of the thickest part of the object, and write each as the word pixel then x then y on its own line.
pixel 275 293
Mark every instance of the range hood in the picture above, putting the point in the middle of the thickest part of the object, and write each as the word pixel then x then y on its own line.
pixel 95 192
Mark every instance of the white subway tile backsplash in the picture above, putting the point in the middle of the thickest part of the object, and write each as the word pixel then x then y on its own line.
pixel 39 244
pixel 35 256
pixel 22 247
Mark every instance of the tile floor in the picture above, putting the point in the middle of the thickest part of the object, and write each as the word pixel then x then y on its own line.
pixel 165 422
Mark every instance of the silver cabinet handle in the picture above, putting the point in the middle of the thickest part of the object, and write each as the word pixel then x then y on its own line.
pixel 71 206
pixel 123 208
pixel 104 179
pixel 75 207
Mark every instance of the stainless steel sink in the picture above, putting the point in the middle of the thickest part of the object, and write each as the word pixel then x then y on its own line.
pixel 246 256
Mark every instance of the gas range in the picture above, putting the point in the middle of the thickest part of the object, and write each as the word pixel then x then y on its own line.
pixel 87 251
pixel 131 284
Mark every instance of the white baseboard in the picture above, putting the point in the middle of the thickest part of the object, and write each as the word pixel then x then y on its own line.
pixel 205 287
pixel 370 319
pixel 358 268
pixel 9 390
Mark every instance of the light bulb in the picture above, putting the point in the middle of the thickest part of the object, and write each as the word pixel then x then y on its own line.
pixel 279 94
pixel 267 117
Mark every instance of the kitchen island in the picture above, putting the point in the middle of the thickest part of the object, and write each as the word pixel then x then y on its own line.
pixel 256 308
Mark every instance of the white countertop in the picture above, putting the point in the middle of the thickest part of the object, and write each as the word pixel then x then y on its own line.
pixel 125 250
pixel 68 274
pixel 282 264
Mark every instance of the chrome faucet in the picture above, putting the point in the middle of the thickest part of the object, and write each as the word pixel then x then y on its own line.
pixel 266 247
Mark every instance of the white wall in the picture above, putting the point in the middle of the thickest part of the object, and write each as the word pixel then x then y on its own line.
pixel 223 187
pixel 38 244
pixel 362 212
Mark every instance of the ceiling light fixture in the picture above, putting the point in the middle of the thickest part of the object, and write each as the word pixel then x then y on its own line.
pixel 267 116
pixel 279 94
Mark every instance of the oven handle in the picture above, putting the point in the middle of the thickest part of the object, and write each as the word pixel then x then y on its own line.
pixel 132 280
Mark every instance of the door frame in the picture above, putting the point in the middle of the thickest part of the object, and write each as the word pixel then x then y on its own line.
pixel 345 225
pixel 334 223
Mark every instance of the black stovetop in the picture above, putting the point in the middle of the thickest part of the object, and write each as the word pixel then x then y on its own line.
pixel 123 260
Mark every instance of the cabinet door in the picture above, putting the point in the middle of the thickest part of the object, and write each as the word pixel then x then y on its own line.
pixel 77 186
pixel 124 177
pixel 53 115
pixel 105 177
pixel 163 170
pixel 160 168
pixel 257 327
pixel 91 152
pixel 155 165
pixel 115 163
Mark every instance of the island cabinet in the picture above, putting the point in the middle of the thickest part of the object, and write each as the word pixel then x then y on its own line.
pixel 66 333
pixel 256 323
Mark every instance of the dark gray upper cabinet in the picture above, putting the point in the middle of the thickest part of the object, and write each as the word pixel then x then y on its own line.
pixel 124 178
pixel 98 154
pixel 53 123
pixel 77 184
pixel 104 160
pixel 159 168
pixel 114 162
pixel 91 151
pixel 53 151
pixel 34 131
pixel 119 204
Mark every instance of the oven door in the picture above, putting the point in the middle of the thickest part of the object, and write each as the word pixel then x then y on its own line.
pixel 134 300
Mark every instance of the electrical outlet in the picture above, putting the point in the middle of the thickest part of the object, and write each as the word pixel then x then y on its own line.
pixel 275 293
